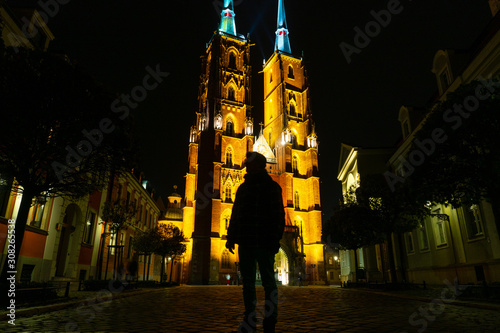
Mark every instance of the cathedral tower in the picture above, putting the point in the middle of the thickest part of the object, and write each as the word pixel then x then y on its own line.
pixel 219 140
pixel 289 133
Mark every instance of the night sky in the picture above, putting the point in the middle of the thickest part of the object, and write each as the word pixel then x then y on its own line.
pixel 354 103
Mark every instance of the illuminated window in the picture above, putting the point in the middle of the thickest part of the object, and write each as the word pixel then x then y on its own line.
pixel 228 192
pixel 295 164
pixel 218 121
pixel 230 94
pixel 88 230
pixel 229 128
pixel 37 211
pixel 473 221
pixel 290 73
pixel 229 157
pixel 297 201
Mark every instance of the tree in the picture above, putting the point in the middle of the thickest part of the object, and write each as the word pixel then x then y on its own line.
pixel 146 243
pixel 171 245
pixel 116 216
pixel 462 164
pixel 58 135
pixel 352 226
pixel 398 211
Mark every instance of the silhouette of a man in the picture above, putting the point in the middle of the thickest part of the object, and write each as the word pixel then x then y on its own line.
pixel 257 224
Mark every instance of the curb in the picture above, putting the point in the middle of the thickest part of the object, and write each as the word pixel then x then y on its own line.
pixel 485 306
pixel 35 311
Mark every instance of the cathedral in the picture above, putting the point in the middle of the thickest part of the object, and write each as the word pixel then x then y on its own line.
pixel 218 143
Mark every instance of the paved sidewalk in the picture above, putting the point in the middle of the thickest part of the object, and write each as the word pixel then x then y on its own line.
pixel 77 298
pixel 219 309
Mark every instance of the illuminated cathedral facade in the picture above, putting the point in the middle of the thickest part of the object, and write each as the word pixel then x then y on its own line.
pixel 218 143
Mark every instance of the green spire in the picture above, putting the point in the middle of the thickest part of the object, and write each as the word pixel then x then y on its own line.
pixel 282 42
pixel 227 23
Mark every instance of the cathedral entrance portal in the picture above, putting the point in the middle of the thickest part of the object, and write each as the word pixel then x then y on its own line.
pixel 281 266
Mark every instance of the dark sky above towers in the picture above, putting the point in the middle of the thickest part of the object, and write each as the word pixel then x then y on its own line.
pixel 356 103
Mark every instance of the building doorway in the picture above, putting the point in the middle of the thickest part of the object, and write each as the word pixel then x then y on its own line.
pixel 68 226
pixel 281 267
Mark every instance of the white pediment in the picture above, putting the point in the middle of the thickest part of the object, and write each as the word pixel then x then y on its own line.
pixel 262 147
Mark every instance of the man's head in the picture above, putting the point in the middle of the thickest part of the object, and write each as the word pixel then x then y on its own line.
pixel 255 162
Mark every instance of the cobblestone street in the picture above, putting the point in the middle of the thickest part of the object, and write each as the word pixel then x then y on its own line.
pixel 219 308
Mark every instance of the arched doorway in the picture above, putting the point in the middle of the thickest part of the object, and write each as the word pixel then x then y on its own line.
pixel 281 266
pixel 72 217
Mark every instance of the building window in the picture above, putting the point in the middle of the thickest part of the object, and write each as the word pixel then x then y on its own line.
pixel 130 249
pixel 88 231
pixel 297 201
pixel 37 211
pixel 228 193
pixel 290 73
pixel 292 110
pixel 226 263
pixel 229 157
pixel 295 163
pixel 229 128
pixel 112 243
pixel 473 221
pixel 424 241
pixel 230 94
pixel 440 232
pixel 225 220
pixel 232 61
pixel 409 243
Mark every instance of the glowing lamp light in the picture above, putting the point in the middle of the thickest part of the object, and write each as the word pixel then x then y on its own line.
pixel 228 15
pixel 282 33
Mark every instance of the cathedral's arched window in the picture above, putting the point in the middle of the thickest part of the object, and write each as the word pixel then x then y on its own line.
pixel 292 110
pixel 296 203
pixel 293 140
pixel 232 61
pixel 203 123
pixel 228 192
pixel 226 263
pixel 225 218
pixel 231 94
pixel 229 127
pixel 229 157
pixel 295 164
pixel 290 72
